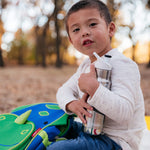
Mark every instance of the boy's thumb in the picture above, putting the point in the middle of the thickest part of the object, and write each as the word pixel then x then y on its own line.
pixel 85 97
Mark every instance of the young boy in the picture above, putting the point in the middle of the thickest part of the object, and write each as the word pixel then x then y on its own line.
pixel 90 29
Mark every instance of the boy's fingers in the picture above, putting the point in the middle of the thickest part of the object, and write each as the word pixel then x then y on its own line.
pixel 82 118
pixel 85 97
pixel 87 106
pixel 82 115
pixel 84 103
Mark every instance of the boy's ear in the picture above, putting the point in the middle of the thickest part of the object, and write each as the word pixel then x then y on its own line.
pixel 112 29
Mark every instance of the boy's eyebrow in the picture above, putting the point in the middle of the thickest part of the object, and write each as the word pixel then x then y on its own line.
pixel 92 19
pixel 76 24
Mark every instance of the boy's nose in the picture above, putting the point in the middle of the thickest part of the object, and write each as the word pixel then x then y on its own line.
pixel 85 33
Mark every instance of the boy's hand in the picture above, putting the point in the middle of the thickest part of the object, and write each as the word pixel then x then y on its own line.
pixel 79 107
pixel 88 82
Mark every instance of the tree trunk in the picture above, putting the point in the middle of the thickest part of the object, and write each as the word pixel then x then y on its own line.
pixel 43 52
pixel 58 61
pixel 37 47
pixel 44 46
pixel 1 59
pixel 20 56
pixel 148 65
pixel 133 53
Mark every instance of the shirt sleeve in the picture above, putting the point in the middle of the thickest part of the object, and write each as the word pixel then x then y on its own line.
pixel 119 102
pixel 69 91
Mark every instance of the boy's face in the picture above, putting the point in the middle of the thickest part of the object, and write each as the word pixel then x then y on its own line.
pixel 89 33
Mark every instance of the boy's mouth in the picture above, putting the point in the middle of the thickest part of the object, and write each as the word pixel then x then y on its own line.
pixel 87 42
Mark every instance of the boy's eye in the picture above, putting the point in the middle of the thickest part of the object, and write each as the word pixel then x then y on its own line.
pixel 93 24
pixel 75 30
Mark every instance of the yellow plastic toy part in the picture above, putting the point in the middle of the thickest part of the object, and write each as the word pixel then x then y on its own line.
pixel 147 118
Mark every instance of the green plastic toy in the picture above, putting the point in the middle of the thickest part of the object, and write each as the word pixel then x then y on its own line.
pixel 12 125
pixel 33 127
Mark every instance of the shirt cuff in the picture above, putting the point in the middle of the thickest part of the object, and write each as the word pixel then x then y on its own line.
pixel 97 100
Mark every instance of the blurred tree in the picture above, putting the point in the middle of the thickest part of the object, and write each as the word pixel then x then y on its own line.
pixel 148 4
pixel 58 5
pixel 40 35
pixel 148 65
pixel 50 38
pixel 45 35
pixel 115 9
pixel 40 51
pixel 48 35
pixel 148 7
pixel 3 4
pixel 19 48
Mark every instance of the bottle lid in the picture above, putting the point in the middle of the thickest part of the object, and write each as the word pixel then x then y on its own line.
pixel 101 62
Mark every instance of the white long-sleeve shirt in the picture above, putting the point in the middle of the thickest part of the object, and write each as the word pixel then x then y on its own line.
pixel 123 105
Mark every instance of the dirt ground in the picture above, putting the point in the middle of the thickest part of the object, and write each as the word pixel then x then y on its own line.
pixel 27 85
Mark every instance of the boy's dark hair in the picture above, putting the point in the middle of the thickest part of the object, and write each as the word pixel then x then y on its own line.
pixel 82 4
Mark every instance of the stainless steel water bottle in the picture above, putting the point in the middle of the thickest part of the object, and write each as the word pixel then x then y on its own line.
pixel 94 124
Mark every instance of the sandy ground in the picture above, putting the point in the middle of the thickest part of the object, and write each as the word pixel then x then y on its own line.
pixel 27 85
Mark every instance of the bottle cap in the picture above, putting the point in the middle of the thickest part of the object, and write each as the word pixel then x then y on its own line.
pixel 101 62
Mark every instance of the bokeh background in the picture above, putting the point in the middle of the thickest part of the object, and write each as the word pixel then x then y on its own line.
pixel 36 57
